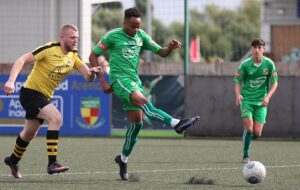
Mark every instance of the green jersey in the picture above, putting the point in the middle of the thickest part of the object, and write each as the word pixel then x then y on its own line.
pixel 124 52
pixel 256 79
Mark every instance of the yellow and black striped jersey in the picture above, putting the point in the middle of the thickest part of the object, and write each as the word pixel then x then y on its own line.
pixel 51 67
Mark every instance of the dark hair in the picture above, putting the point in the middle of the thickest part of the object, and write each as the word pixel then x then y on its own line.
pixel 258 42
pixel 132 12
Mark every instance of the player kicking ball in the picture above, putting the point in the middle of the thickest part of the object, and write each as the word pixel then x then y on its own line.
pixel 125 45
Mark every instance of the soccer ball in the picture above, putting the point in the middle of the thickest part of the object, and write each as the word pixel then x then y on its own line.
pixel 254 172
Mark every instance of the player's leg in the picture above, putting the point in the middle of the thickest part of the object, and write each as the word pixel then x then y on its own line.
pixel 31 101
pixel 259 117
pixel 257 129
pixel 247 136
pixel 27 134
pixel 53 116
pixel 138 99
pixel 131 137
pixel 131 91
pixel 132 132
pixel 247 114
pixel 146 120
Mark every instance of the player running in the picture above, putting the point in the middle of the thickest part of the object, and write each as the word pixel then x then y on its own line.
pixel 53 62
pixel 254 74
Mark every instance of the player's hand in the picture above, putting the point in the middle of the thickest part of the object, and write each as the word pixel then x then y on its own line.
pixel 238 100
pixel 96 69
pixel 265 101
pixel 106 87
pixel 174 44
pixel 9 88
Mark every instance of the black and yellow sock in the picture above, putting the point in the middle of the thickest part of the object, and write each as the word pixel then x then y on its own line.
pixel 19 150
pixel 52 141
pixel 131 138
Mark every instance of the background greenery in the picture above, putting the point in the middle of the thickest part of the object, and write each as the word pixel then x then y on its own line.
pixel 224 33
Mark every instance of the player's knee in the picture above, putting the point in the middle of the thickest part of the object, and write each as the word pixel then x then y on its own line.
pixel 249 129
pixel 257 134
pixel 56 121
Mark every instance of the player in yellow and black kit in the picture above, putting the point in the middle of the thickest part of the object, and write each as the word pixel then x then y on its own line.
pixel 53 62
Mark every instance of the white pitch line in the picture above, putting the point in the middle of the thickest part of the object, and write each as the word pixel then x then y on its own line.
pixel 153 171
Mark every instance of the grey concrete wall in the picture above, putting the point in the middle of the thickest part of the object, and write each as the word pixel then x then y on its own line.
pixel 212 97
pixel 211 69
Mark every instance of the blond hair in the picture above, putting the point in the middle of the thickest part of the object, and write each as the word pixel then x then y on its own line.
pixel 66 27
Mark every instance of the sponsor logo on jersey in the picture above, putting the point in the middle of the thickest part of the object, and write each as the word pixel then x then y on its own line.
pixel 130 53
pixel 59 72
pixel 257 82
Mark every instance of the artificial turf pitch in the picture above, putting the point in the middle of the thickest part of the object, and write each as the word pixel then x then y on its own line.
pixel 156 163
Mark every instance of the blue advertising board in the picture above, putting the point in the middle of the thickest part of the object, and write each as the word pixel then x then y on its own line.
pixel 84 107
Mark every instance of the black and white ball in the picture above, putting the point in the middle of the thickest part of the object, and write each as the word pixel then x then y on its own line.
pixel 254 172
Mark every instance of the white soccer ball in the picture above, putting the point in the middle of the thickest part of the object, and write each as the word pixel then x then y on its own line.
pixel 254 172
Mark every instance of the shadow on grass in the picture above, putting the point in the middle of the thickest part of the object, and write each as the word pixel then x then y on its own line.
pixel 56 181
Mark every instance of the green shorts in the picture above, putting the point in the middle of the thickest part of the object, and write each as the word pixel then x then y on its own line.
pixel 257 112
pixel 123 87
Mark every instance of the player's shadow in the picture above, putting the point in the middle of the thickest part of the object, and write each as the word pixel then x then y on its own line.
pixel 56 181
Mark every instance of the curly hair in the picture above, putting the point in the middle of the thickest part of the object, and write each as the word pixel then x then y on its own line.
pixel 132 12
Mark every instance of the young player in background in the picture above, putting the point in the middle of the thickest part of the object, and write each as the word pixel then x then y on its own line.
pixel 125 45
pixel 252 92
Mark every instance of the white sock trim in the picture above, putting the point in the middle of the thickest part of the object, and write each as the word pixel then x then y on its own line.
pixel 124 158
pixel 174 122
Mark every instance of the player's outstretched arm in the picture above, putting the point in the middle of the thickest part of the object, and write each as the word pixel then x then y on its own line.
pixel 165 51
pixel 88 73
pixel 9 86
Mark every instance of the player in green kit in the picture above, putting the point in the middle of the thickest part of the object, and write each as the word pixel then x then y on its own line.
pixel 256 74
pixel 124 46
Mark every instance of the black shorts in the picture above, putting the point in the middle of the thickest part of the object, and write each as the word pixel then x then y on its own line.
pixel 32 101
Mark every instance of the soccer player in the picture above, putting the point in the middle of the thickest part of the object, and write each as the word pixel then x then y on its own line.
pixel 125 45
pixel 53 62
pixel 252 81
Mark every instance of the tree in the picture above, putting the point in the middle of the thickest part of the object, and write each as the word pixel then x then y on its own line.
pixel 223 33
pixel 106 17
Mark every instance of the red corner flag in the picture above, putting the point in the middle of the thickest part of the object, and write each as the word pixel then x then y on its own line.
pixel 195 50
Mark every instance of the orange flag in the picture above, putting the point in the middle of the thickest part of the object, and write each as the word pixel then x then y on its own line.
pixel 195 50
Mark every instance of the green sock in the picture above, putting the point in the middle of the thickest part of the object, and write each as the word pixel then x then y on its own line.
pixel 246 142
pixel 156 114
pixel 131 138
